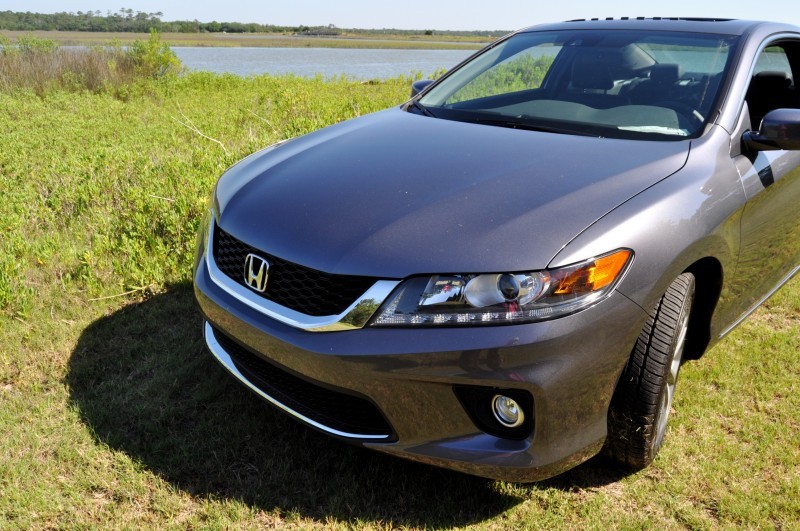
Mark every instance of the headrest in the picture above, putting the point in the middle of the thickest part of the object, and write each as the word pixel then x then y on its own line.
pixel 769 80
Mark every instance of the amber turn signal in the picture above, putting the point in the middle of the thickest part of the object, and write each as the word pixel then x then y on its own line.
pixel 594 275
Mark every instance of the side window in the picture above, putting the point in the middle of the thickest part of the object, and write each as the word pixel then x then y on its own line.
pixel 773 83
pixel 773 59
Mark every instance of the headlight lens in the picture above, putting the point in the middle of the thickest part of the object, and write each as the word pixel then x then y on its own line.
pixel 501 298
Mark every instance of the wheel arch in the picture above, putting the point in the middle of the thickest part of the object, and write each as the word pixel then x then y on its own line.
pixel 708 275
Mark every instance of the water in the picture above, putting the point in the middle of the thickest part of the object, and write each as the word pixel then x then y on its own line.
pixel 328 62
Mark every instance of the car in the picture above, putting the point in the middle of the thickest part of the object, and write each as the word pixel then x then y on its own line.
pixel 503 275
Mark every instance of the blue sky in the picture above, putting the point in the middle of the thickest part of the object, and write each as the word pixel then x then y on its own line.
pixel 415 14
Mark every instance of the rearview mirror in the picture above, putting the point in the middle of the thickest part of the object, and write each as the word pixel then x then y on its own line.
pixel 780 129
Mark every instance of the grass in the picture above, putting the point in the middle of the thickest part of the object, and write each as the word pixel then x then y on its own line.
pixel 427 42
pixel 42 65
pixel 112 415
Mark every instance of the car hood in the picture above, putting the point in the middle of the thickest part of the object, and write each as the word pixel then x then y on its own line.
pixel 394 194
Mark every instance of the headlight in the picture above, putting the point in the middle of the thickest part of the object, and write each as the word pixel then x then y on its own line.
pixel 500 298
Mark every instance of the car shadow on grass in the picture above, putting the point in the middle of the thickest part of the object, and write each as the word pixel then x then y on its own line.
pixel 145 385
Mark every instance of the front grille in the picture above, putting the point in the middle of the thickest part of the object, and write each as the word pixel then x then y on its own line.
pixel 333 409
pixel 300 288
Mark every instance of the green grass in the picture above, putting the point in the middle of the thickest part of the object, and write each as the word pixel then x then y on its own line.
pixel 112 415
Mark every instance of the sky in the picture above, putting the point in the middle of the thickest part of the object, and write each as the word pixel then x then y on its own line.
pixel 416 14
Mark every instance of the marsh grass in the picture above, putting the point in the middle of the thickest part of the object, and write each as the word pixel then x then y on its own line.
pixel 41 65
pixel 269 40
pixel 95 70
pixel 113 416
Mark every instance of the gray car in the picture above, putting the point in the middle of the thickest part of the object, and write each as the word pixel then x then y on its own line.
pixel 503 275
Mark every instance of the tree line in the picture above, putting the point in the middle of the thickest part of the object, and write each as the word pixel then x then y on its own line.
pixel 128 20
pixel 124 20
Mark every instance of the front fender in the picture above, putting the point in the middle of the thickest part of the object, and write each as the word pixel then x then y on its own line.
pixel 692 215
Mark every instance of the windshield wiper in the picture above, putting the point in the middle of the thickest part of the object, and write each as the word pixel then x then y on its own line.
pixel 421 108
pixel 527 126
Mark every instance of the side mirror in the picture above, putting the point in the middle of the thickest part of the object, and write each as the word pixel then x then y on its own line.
pixel 419 86
pixel 780 129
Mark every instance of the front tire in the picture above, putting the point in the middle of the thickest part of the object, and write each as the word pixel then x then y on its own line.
pixel 637 416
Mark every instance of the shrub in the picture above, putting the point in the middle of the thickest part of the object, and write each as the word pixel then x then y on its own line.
pixel 31 45
pixel 154 58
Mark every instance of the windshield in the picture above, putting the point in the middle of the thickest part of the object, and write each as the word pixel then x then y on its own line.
pixel 612 83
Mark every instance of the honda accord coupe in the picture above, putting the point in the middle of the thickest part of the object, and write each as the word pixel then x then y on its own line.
pixel 503 275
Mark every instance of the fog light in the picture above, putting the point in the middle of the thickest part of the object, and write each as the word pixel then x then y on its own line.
pixel 507 411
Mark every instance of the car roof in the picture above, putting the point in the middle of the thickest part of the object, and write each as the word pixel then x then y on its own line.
pixel 694 25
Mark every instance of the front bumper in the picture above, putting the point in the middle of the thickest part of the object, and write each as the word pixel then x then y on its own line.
pixel 569 366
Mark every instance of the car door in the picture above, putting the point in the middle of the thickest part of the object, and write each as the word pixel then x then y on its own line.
pixel 770 223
